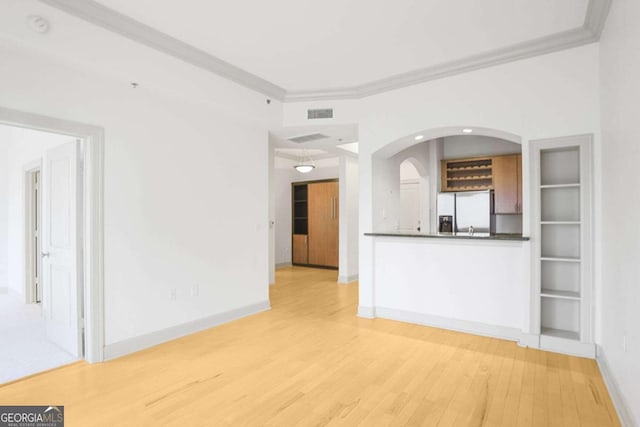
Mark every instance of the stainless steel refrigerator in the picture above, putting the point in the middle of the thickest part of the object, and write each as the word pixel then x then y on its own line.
pixel 468 211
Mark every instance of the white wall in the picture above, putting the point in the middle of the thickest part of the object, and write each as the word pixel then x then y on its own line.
pixel 461 146
pixel 186 187
pixel 388 174
pixel 349 228
pixel 620 68
pixel 25 148
pixel 282 191
pixel 434 279
pixel 4 208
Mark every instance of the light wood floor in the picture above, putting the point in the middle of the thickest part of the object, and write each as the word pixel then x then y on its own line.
pixel 311 362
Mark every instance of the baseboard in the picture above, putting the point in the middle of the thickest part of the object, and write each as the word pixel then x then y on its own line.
pixel 283 265
pixel 567 346
pixel 347 279
pixel 141 342
pixel 626 418
pixel 529 340
pixel 477 328
pixel 366 312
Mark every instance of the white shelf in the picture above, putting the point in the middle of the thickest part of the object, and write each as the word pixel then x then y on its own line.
pixel 561 333
pixel 560 186
pixel 549 293
pixel 556 259
pixel 562 241
pixel 560 222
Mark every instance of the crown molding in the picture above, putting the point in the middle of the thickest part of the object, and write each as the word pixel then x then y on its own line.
pixel 597 12
pixel 596 16
pixel 540 46
pixel 111 20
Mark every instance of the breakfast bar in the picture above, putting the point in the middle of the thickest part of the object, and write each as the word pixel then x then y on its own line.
pixel 473 283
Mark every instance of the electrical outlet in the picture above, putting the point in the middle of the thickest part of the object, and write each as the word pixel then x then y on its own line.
pixel 195 290
pixel 174 294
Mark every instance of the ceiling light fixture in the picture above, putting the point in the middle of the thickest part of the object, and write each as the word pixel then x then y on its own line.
pixel 304 168
pixel 467 130
pixel 306 165
pixel 419 137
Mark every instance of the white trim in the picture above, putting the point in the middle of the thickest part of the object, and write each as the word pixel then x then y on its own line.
pixel 28 210
pixel 141 342
pixel 111 20
pixel 123 25
pixel 567 346
pixel 540 46
pixel 529 340
pixel 476 328
pixel 597 12
pixel 366 312
pixel 619 402
pixel 283 265
pixel 93 234
pixel 348 279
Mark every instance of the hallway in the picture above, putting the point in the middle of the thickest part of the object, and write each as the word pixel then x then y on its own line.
pixel 311 361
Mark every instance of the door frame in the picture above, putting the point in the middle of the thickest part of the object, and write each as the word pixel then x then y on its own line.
pixel 92 219
pixel 30 221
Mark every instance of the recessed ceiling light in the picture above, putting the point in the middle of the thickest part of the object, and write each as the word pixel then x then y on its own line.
pixel 38 24
pixel 467 130
pixel 419 137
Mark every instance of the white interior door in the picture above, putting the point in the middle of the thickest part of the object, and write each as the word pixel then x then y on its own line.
pixel 410 206
pixel 61 257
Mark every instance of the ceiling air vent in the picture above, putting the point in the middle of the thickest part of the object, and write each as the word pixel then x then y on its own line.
pixel 320 113
pixel 308 138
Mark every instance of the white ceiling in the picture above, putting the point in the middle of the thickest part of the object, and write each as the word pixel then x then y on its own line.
pixel 302 49
pixel 319 149
pixel 310 44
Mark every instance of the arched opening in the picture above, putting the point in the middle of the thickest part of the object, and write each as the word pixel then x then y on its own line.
pixel 412 173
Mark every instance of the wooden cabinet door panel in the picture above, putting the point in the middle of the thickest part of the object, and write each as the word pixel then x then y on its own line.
pixel 519 181
pixel 323 224
pixel 333 226
pixel 300 250
pixel 505 184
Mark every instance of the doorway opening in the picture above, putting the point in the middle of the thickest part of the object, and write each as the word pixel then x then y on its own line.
pixel 414 201
pixel 71 240
pixel 33 222
pixel 42 310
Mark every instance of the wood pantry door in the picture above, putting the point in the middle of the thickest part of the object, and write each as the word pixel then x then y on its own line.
pixel 323 223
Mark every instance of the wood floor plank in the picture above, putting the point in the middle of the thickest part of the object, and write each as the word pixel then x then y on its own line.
pixel 310 361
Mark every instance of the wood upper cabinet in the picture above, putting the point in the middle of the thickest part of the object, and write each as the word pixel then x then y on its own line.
pixel 507 184
pixel 323 223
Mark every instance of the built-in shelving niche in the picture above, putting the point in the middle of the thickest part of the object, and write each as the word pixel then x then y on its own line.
pixel 562 248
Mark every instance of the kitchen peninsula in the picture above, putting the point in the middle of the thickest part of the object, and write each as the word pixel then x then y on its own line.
pixel 473 267
pixel 474 236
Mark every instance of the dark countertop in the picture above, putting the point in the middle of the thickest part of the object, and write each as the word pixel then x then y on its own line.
pixel 467 236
